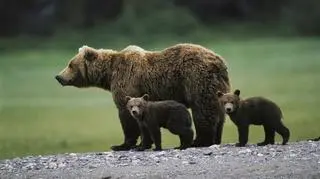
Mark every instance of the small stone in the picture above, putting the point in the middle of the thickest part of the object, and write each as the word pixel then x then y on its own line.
pixel 61 165
pixel 185 162
pixel 92 166
pixel 135 162
pixel 260 155
pixel 29 166
pixel 7 166
pixel 244 151
pixel 207 153
pixel 192 162
pixel 52 165
pixel 161 153
pixel 293 155
pixel 214 146
pixel 107 177
pixel 73 154
pixel 109 155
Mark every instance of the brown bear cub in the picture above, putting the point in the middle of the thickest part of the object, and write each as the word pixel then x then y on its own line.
pixel 256 111
pixel 169 114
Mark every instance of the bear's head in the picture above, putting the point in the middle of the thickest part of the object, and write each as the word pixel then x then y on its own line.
pixel 137 106
pixel 90 67
pixel 229 101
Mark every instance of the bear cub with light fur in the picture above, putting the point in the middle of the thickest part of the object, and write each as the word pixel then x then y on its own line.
pixel 152 115
pixel 256 111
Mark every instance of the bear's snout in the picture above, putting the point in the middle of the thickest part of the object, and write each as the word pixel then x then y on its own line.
pixel 228 107
pixel 61 80
pixel 135 113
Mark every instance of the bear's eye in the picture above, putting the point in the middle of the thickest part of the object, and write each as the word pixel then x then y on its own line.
pixel 70 65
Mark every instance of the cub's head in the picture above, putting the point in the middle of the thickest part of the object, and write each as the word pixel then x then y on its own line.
pixel 229 101
pixel 87 68
pixel 137 106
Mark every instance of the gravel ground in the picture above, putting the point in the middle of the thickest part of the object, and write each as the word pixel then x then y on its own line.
pixel 295 160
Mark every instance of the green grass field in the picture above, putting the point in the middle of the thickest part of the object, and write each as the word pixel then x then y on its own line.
pixel 38 116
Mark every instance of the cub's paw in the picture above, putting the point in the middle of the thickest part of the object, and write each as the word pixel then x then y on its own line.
pixel 262 143
pixel 240 145
pixel 139 149
pixel 122 147
pixel 182 147
pixel 157 149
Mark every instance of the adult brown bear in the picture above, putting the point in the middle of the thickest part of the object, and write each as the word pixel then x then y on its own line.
pixel 187 73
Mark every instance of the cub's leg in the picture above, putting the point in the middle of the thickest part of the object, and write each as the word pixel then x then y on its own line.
pixel 284 132
pixel 243 131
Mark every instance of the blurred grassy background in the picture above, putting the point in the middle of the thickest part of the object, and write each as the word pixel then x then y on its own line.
pixel 274 59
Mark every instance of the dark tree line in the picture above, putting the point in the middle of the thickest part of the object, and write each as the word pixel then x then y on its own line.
pixel 42 16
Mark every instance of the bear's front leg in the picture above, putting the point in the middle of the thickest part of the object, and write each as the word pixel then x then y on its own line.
pixel 156 137
pixel 146 141
pixel 205 125
pixel 243 132
pixel 130 130
pixel 219 130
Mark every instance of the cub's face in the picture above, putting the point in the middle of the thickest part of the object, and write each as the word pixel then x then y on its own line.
pixel 136 106
pixel 229 101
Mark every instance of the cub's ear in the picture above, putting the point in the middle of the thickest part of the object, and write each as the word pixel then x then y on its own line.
pixel 89 53
pixel 145 97
pixel 127 98
pixel 237 92
pixel 219 94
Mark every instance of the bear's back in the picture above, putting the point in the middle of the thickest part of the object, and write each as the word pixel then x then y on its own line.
pixel 260 109
pixel 166 105
pixel 167 110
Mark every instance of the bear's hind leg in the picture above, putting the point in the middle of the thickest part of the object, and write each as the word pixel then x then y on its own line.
pixel 206 118
pixel 268 135
pixel 185 134
pixel 284 132
pixel 220 129
pixel 186 138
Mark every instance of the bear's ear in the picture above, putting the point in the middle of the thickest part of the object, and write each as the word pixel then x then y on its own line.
pixel 145 97
pixel 219 94
pixel 237 92
pixel 89 53
pixel 127 98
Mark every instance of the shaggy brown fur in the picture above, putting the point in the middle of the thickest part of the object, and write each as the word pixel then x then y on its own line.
pixel 187 73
